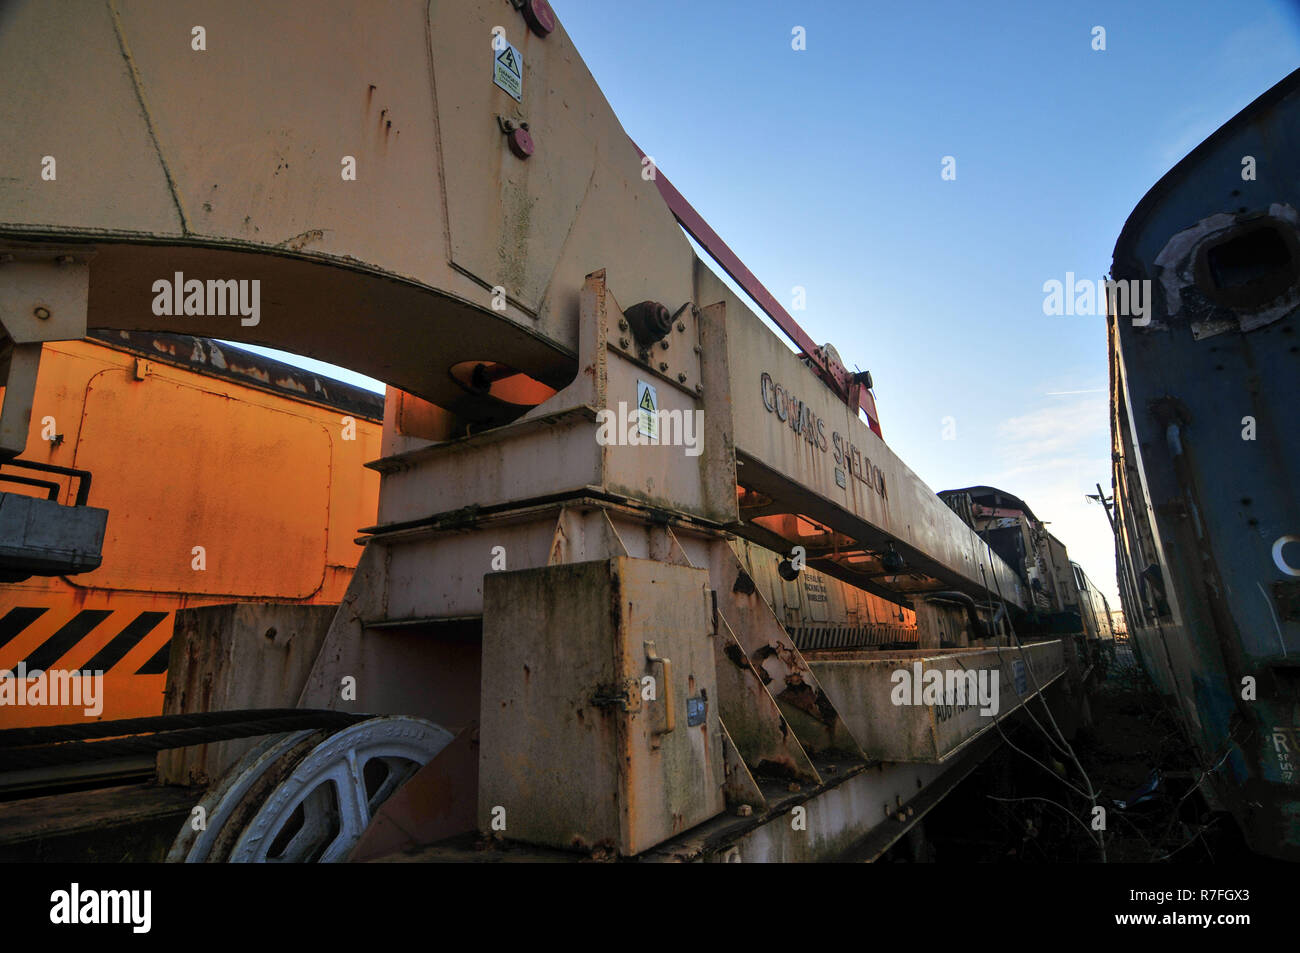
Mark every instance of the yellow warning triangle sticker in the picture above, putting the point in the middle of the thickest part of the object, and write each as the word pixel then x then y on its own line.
pixel 647 402
pixel 508 60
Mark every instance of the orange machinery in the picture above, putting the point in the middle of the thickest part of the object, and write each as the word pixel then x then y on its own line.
pixel 228 477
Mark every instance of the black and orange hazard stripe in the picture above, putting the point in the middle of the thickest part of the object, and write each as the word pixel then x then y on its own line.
pixel 53 648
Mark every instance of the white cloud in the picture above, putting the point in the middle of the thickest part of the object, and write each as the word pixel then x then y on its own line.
pixel 1060 436
pixel 1052 458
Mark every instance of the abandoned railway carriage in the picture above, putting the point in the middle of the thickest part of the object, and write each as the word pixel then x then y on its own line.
pixel 1204 392
pixel 1065 600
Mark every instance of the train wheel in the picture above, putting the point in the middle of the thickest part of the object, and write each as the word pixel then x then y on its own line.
pixel 307 796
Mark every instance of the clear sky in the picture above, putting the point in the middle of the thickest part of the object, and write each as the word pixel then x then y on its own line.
pixel 822 169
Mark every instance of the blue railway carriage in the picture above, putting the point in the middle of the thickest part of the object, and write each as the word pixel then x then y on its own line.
pixel 1205 386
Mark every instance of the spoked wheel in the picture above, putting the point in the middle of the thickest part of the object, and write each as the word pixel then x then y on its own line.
pixel 307 796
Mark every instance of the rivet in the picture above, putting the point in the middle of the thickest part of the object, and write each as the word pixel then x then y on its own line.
pixel 681 325
pixel 663 365
pixel 681 378
pixel 664 344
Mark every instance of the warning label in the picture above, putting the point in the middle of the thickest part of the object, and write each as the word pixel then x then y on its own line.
pixel 647 410
pixel 508 71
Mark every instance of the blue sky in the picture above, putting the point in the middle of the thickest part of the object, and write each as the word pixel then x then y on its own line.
pixel 821 168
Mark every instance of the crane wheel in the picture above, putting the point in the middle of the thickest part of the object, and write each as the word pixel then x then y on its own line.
pixel 307 796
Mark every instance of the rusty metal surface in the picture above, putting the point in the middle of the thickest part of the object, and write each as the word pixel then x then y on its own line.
pixel 856 815
pixel 805 707
pixel 439 214
pixel 439 801
pixel 1203 391
pixel 574 753
pixel 215 359
pixel 865 689
pixel 231 658
pixel 821 611
pixel 43 538
pixel 557 447
pixel 759 731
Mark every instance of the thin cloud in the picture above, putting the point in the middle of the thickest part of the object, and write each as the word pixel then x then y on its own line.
pixel 1052 458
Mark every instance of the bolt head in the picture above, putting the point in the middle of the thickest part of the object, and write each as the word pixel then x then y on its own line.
pixel 744 810
pixel 664 344
pixel 681 325
pixel 42 313
pixel 623 342
pixel 622 324
pixel 681 378
pixel 663 365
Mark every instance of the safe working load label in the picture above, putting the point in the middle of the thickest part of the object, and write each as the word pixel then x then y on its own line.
pixel 508 71
pixel 647 410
